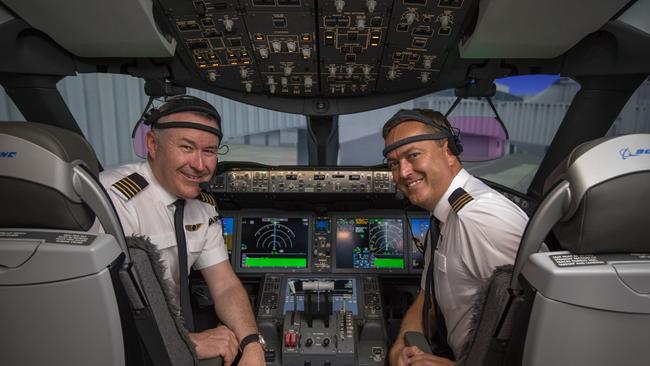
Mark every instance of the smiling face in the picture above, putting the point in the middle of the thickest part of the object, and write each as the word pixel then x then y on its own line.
pixel 422 170
pixel 181 158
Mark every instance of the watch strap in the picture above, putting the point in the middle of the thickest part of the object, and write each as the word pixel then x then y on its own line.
pixel 248 340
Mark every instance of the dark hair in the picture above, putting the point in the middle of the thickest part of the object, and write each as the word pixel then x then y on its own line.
pixel 435 116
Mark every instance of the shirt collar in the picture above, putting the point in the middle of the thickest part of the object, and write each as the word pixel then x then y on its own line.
pixel 442 209
pixel 165 197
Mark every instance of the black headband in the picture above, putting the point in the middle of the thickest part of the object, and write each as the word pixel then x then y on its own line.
pixel 408 140
pixel 408 115
pixel 185 124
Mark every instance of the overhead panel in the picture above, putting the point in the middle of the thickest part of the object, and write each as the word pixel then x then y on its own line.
pixel 310 48
pixel 352 35
pixel 214 35
pixel 420 33
pixel 284 41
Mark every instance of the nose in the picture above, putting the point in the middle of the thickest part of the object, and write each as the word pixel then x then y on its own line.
pixel 405 169
pixel 197 163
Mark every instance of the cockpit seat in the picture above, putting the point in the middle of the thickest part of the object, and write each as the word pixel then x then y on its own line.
pixel 590 303
pixel 69 296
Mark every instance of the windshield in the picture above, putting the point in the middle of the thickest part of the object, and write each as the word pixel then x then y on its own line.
pixel 107 106
pixel 531 108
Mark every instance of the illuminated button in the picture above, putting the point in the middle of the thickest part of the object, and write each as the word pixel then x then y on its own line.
pixel 349 70
pixel 287 70
pixel 371 4
pixel 332 70
pixel 339 4
pixel 308 82
pixel 306 53
pixel 264 53
pixel 228 24
pixel 259 37
pixel 410 17
pixel 366 71
pixel 291 46
pixel 361 24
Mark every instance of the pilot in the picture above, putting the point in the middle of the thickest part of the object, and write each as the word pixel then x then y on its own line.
pixel 161 199
pixel 474 230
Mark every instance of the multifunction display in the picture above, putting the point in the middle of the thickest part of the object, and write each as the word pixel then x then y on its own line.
pixel 370 243
pixel 274 242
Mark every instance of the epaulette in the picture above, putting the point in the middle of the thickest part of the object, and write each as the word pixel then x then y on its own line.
pixel 131 185
pixel 207 198
pixel 458 199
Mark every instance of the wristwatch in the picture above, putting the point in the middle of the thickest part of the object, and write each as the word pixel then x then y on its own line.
pixel 255 337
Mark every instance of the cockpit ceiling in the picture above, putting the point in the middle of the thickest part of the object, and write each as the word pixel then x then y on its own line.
pixel 317 57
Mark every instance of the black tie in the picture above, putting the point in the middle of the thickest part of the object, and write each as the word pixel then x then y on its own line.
pixel 434 228
pixel 184 283
pixel 438 338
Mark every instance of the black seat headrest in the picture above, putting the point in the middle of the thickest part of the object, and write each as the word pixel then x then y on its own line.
pixel 30 204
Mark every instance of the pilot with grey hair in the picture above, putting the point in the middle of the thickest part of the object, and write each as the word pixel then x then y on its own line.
pixel 161 198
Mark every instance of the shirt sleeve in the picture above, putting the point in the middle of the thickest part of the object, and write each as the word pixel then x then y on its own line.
pixel 489 232
pixel 214 251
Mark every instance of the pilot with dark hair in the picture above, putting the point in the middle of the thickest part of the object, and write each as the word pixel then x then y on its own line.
pixel 474 230
pixel 161 199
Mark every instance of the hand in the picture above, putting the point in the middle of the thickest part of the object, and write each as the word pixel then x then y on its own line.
pixel 253 355
pixel 397 356
pixel 216 342
pixel 416 357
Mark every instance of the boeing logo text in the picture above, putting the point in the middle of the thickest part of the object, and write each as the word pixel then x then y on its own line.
pixel 627 153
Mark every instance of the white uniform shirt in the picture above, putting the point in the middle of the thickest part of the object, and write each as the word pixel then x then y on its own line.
pixel 150 212
pixel 482 235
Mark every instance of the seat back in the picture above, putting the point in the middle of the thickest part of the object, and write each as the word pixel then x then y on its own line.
pixel 69 296
pixel 590 303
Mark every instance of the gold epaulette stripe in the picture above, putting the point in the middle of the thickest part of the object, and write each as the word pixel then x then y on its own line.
pixel 207 198
pixel 461 201
pixel 458 199
pixel 131 185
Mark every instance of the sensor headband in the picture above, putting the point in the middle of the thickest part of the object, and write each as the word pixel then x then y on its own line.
pixel 446 132
pixel 186 124
pixel 408 140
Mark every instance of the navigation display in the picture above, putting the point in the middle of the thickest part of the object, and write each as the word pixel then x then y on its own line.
pixel 228 226
pixel 369 243
pixel 274 242
pixel 420 227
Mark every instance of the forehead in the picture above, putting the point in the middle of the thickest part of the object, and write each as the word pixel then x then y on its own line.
pixel 405 130
pixel 197 136
pixel 189 117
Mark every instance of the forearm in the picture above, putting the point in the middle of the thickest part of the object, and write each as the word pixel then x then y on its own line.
pixel 412 319
pixel 233 308
pixel 412 322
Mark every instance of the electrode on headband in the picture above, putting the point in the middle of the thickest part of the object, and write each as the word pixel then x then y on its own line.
pixel 446 132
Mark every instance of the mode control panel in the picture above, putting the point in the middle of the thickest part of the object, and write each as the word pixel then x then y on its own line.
pixel 305 181
pixel 321 181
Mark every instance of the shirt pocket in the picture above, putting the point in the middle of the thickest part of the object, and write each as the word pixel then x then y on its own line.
pixel 195 237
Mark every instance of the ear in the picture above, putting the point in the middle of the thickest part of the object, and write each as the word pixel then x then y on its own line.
pixel 451 158
pixel 151 145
